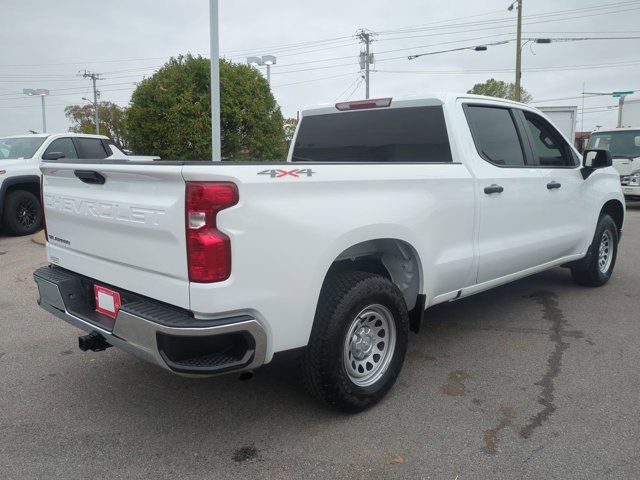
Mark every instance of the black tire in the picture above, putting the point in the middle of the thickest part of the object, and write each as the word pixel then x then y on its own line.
pixel 345 297
pixel 595 269
pixel 22 214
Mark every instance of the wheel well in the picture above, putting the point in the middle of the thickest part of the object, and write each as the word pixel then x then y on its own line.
pixel 29 187
pixel 615 210
pixel 390 258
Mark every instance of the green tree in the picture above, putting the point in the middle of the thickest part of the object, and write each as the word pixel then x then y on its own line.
pixel 112 120
pixel 289 125
pixel 170 112
pixel 500 89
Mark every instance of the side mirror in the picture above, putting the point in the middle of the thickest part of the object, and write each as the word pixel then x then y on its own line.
pixel 53 156
pixel 596 159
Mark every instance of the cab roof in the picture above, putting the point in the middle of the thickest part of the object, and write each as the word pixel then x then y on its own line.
pixel 426 100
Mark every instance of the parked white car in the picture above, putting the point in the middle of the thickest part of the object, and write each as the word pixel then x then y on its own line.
pixel 384 209
pixel 20 158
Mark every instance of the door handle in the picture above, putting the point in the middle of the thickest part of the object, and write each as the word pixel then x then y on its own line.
pixel 493 188
pixel 90 176
pixel 553 184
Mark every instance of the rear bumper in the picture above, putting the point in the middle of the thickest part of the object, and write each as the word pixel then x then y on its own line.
pixel 167 337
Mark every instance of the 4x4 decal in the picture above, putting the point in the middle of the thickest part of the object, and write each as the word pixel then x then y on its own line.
pixel 296 172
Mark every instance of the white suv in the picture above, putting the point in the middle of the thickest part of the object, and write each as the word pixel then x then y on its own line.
pixel 20 156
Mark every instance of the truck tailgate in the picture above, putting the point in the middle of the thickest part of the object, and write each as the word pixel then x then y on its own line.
pixel 128 232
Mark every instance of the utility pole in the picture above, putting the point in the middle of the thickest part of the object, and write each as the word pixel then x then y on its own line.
pixel 620 106
pixel 214 46
pixel 94 77
pixel 44 117
pixel 366 57
pixel 518 4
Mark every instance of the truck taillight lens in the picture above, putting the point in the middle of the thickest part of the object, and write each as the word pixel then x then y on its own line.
pixel 208 249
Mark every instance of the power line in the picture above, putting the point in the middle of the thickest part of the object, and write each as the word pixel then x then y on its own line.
pixel 506 23
pixel 355 89
pixel 358 78
pixel 314 80
pixel 509 70
pixel 570 14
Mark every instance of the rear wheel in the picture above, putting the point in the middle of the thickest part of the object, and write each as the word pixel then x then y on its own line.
pixel 22 213
pixel 358 342
pixel 596 268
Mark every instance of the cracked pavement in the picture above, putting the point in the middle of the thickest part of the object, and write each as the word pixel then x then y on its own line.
pixel 536 379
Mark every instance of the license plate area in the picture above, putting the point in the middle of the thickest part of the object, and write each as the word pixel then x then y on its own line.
pixel 107 301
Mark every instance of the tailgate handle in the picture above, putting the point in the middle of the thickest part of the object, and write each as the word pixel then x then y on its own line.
pixel 90 176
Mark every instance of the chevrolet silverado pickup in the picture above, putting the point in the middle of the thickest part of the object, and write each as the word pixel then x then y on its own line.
pixel 383 209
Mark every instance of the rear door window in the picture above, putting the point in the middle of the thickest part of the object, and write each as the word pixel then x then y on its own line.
pixel 495 135
pixel 91 149
pixel 413 134
pixel 64 146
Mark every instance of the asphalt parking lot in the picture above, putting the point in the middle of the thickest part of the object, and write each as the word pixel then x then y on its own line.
pixel 537 379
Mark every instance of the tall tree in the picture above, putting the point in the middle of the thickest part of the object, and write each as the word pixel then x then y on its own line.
pixel 500 89
pixel 290 125
pixel 170 112
pixel 112 120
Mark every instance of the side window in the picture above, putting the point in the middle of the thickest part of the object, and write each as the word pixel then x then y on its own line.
pixel 549 148
pixel 91 149
pixel 64 146
pixel 495 135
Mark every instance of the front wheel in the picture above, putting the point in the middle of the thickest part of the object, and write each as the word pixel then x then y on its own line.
pixel 358 341
pixel 22 213
pixel 596 268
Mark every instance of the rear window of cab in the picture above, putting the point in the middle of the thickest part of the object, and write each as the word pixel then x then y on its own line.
pixel 403 135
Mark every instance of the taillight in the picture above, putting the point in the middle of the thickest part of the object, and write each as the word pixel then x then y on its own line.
pixel 44 219
pixel 208 249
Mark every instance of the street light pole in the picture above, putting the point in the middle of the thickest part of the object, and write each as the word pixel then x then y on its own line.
pixel 216 147
pixel 40 92
pixel 264 60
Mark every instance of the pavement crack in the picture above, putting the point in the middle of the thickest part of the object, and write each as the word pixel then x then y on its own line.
pixel 498 328
pixel 491 436
pixel 553 314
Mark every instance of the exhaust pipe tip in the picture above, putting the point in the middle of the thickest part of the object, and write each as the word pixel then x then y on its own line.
pixel 244 376
pixel 94 342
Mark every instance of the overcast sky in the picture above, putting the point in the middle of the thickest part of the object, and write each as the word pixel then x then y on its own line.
pixel 46 43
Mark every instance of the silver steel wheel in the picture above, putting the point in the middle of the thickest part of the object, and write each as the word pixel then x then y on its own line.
pixel 605 251
pixel 369 345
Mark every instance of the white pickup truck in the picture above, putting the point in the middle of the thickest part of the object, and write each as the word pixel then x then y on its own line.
pixel 385 208
pixel 20 157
